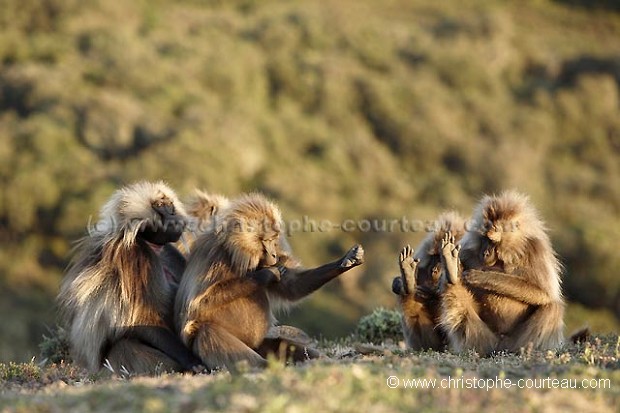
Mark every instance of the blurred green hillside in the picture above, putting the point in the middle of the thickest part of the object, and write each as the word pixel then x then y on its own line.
pixel 349 109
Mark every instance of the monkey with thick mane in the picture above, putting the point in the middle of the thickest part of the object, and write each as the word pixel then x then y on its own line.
pixel 502 289
pixel 417 287
pixel 117 295
pixel 236 274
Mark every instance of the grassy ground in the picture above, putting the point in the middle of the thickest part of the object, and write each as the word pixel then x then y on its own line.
pixel 361 110
pixel 354 378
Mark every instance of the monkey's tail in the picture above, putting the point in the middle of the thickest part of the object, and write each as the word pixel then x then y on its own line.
pixel 580 336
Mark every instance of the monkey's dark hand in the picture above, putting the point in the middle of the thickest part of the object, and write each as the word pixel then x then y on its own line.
pixel 266 276
pixel 353 258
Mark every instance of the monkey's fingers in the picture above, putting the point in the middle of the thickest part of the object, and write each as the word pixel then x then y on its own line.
pixel 406 257
pixel 406 252
pixel 446 242
pixel 353 258
pixel 456 251
pixel 277 272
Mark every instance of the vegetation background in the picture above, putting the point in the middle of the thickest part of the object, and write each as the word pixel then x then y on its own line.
pixel 349 109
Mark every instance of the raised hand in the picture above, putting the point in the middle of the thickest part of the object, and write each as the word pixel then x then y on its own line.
pixel 408 270
pixel 450 257
pixel 353 258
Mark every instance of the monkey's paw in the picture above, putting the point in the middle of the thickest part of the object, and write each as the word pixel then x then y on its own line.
pixel 353 258
pixel 450 257
pixel 267 276
pixel 408 269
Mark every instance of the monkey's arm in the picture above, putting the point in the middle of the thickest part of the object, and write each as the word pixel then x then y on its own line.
pixel 297 283
pixel 508 285
pixel 164 340
pixel 408 272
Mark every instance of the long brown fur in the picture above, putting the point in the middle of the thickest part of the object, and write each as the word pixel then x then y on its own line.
pixel 417 286
pixel 116 297
pixel 224 305
pixel 504 292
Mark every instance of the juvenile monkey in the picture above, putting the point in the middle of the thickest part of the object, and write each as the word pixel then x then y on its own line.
pixel 204 207
pixel 503 284
pixel 117 295
pixel 203 210
pixel 236 274
pixel 417 285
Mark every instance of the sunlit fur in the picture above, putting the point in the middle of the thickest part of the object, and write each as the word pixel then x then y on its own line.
pixel 221 311
pixel 520 237
pixel 248 221
pixel 231 250
pixel 512 297
pixel 113 280
pixel 204 209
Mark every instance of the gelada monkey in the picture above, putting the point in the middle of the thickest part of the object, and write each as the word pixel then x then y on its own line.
pixel 117 295
pixel 236 275
pixel 417 285
pixel 503 284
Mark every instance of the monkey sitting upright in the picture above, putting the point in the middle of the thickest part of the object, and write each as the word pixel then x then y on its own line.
pixel 502 289
pixel 236 274
pixel 417 286
pixel 285 342
pixel 117 295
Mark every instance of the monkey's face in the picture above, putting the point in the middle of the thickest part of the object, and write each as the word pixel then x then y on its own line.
pixel 270 245
pixel 488 254
pixel 498 238
pixel 165 224
pixel 429 271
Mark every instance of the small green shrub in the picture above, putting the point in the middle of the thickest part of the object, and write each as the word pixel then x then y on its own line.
pixel 55 347
pixel 381 325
